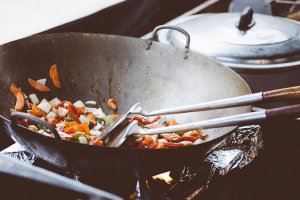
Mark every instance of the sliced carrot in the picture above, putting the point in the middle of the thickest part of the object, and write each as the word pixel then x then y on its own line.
pixel 54 76
pixel 112 104
pixel 36 111
pixel 171 122
pixel 20 102
pixel 90 116
pixel 14 89
pixel 38 86
pixel 85 128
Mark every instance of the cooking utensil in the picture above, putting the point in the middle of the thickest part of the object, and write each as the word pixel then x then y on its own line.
pixel 235 120
pixel 266 53
pixel 279 94
pixel 24 179
pixel 98 67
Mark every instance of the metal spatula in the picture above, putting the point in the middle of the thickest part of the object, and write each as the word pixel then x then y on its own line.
pixel 234 120
pixel 274 95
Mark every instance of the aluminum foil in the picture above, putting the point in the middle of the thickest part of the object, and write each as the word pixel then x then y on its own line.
pixel 16 151
pixel 236 151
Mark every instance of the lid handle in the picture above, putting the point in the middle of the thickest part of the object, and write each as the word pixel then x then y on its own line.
pixel 246 20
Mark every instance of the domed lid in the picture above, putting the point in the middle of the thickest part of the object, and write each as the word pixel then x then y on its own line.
pixel 245 39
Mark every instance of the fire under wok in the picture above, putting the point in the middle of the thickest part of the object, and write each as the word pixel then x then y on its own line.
pixel 97 67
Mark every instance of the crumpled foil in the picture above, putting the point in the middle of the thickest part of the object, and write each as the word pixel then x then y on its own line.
pixel 16 151
pixel 236 151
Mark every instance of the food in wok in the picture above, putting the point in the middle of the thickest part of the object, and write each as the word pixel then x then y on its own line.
pixel 85 122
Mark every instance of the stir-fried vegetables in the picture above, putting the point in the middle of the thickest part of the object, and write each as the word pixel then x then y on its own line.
pixel 38 86
pixel 83 124
pixel 76 121
pixel 112 104
pixel 54 76
pixel 165 140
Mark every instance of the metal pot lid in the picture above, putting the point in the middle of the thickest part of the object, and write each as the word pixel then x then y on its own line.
pixel 241 40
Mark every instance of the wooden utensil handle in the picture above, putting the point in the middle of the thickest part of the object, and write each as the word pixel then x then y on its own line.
pixel 282 94
pixel 284 112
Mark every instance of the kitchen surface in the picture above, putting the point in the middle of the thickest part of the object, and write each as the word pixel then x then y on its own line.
pixel 227 71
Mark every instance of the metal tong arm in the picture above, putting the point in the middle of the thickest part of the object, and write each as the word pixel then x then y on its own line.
pixel 234 120
pixel 273 95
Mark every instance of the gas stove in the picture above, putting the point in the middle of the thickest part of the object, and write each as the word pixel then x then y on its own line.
pixel 248 165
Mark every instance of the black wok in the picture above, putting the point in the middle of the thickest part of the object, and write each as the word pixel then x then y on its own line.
pixel 97 67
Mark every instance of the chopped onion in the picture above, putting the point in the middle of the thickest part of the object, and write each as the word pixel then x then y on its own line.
pixel 44 100
pixel 54 102
pixel 186 143
pixel 42 81
pixel 79 104
pixel 99 113
pixel 45 106
pixel 97 127
pixel 82 140
pixel 33 127
pixel 60 125
pixel 95 133
pixel 84 119
pixel 63 134
pixel 189 133
pixel 162 140
pixel 62 111
pixel 154 137
pixel 91 102
pixel 89 109
pixel 33 98
pixel 50 115
pixel 198 141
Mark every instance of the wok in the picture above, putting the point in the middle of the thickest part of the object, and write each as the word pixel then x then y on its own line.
pixel 97 67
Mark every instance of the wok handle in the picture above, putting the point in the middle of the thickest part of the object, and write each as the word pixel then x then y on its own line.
pixel 158 28
pixel 20 115
pixel 282 94
pixel 268 96
pixel 287 112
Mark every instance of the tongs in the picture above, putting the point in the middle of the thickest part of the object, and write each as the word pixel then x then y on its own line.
pixel 121 129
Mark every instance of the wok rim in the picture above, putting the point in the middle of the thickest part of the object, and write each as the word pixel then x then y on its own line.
pixel 86 34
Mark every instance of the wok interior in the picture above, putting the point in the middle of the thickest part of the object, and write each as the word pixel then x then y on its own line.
pixel 97 67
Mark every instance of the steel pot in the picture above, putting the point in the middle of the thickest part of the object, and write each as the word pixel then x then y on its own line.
pixel 264 50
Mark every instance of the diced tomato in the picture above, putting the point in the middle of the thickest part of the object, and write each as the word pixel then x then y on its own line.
pixel 187 138
pixel 28 122
pixel 151 146
pixel 75 117
pixel 173 144
pixel 96 141
pixel 146 142
pixel 79 111
pixel 71 108
pixel 53 121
